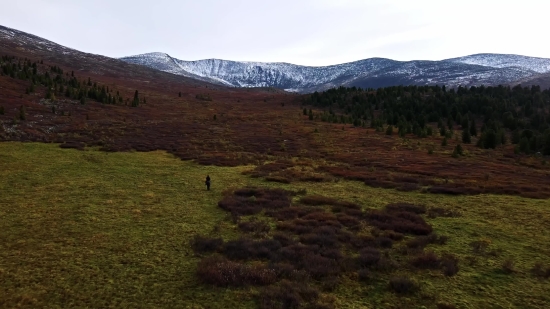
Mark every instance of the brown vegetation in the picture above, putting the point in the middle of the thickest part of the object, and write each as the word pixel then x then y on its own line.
pixel 314 246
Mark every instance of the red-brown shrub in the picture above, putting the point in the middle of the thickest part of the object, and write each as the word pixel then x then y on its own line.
pixel 384 242
pixel 254 226
pixel 368 257
pixel 402 222
pixel 348 221
pixel 288 295
pixel 403 285
pixel 449 265
pixel 362 241
pixel 202 244
pixel 251 201
pixel 219 271
pixel 539 270
pixel 319 266
pixel 424 240
pixel 427 260
pixel 393 235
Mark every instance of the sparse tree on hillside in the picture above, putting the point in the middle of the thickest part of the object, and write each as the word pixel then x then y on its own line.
pixel 524 145
pixel 466 137
pixel 135 102
pixel 473 128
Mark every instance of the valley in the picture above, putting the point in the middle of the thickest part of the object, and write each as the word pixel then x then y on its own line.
pixel 331 199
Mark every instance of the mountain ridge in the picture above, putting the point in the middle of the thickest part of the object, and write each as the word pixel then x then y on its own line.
pixel 477 69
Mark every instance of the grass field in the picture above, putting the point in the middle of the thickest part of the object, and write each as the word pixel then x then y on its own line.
pixel 99 230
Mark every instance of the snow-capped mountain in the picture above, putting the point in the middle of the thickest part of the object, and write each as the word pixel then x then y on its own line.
pixel 487 69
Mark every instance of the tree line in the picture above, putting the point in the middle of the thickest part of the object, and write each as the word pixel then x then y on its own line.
pixel 61 84
pixel 495 115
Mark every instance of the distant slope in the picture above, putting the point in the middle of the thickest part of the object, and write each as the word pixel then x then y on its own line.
pixel 21 44
pixel 542 80
pixel 488 69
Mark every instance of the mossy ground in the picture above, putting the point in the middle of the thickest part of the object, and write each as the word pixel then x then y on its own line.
pixel 97 229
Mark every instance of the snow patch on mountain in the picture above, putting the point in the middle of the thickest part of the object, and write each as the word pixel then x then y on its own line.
pixel 539 65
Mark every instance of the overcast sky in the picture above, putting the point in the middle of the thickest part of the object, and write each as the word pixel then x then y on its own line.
pixel 307 32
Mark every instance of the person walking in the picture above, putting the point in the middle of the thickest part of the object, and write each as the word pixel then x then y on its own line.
pixel 207 182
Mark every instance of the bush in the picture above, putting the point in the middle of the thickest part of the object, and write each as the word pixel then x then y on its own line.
pixel 362 241
pixel 368 257
pixel 279 179
pixel 320 240
pixel 219 271
pixel 348 221
pixel 245 249
pixel 449 265
pixel 479 246
pixel 288 295
pixel 364 275
pixel 254 226
pixel 539 270
pixel 202 244
pixel 251 201
pixel 384 242
pixel 508 266
pixel 402 222
pixel 394 235
pixel 283 239
pixel 428 260
pixel 318 266
pixel 421 241
pixel 402 285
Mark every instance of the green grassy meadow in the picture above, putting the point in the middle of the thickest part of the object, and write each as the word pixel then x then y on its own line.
pixel 112 230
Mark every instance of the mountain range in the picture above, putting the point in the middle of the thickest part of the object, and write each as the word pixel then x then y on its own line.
pixel 479 69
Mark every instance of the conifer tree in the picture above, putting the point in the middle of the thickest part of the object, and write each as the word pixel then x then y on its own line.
pixel 473 128
pixel 466 137
pixel 524 145
pixel 135 102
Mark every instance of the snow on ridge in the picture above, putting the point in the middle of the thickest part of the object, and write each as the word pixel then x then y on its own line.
pixel 539 65
pixel 469 70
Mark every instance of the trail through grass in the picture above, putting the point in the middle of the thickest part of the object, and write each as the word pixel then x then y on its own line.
pixel 96 229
